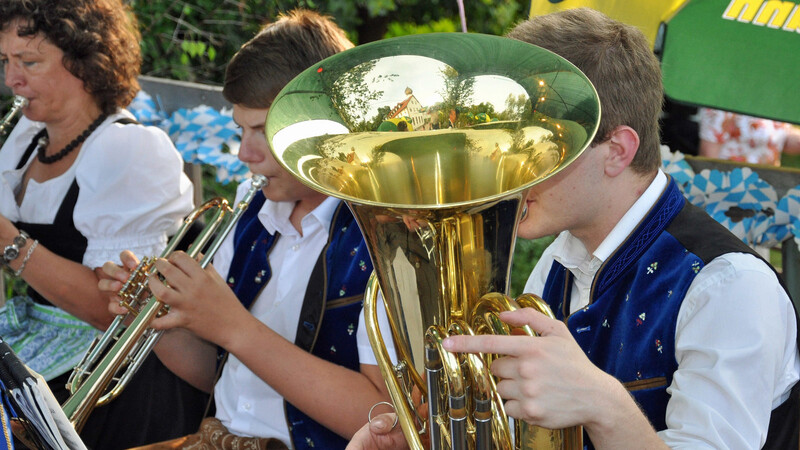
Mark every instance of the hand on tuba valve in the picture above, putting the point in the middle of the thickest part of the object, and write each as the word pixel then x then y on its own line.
pixel 114 357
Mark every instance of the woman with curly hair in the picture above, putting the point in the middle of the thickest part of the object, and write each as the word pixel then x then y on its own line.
pixel 80 181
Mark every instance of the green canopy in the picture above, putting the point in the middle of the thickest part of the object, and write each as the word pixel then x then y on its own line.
pixel 735 55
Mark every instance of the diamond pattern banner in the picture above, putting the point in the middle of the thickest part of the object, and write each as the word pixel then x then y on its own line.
pixel 201 134
pixel 740 200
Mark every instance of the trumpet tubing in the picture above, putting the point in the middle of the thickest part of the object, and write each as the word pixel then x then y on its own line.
pixel 112 360
pixel 17 105
pixel 439 205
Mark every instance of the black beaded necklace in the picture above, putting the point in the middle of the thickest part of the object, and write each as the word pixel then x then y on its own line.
pixel 42 140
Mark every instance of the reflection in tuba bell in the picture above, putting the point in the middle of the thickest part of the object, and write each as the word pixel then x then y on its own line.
pixel 486 118
pixel 114 357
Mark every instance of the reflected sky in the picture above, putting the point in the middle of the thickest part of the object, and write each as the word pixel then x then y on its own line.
pixel 425 78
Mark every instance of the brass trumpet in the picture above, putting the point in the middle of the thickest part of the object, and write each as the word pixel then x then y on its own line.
pixel 17 105
pixel 487 118
pixel 114 357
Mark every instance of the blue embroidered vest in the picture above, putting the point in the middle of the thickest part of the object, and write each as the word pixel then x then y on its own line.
pixel 332 303
pixel 628 328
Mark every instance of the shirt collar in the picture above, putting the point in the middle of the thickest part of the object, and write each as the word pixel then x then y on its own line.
pixel 275 216
pixel 632 218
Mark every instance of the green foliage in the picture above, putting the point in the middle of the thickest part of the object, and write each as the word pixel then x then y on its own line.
pixel 212 188
pixel 403 29
pixel 526 255
pixel 192 40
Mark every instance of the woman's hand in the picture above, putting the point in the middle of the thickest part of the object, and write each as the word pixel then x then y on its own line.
pixel 112 277
pixel 7 230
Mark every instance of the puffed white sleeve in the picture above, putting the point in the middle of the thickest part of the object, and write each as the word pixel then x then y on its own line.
pixel 133 192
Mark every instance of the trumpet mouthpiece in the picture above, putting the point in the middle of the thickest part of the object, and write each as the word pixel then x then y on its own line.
pixel 20 102
pixel 260 181
pixel 16 106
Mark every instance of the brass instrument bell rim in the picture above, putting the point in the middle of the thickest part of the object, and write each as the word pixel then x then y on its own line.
pixel 291 108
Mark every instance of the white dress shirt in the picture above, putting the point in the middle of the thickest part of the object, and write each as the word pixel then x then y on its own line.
pixel 733 352
pixel 247 405
pixel 133 192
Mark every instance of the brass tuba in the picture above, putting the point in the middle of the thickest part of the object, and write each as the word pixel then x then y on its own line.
pixel 17 105
pixel 114 357
pixel 433 141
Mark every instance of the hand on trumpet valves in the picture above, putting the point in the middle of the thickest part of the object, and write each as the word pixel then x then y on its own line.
pixel 199 299
pixel 546 380
pixel 113 276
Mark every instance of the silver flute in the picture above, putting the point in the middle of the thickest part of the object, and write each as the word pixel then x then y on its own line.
pixel 17 105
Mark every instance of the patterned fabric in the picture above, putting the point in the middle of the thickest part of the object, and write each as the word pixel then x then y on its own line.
pixel 744 138
pixel 29 328
pixel 334 293
pixel 214 436
pixel 740 200
pixel 6 440
pixel 201 134
pixel 633 339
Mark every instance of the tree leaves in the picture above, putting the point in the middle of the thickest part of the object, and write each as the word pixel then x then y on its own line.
pixel 192 40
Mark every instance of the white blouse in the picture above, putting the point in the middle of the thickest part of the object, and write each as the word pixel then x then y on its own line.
pixel 133 192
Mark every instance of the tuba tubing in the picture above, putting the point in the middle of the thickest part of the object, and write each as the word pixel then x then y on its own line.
pixel 100 366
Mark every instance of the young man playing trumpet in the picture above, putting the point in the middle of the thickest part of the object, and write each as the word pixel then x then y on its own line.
pixel 284 296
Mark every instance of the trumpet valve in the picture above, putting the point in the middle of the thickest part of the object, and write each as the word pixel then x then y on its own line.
pixel 135 288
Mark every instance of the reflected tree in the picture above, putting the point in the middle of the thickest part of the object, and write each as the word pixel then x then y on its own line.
pixel 458 90
pixel 353 94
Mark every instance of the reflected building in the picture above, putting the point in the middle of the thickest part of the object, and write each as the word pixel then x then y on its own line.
pixel 412 109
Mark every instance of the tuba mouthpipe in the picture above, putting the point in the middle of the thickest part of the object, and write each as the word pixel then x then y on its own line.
pixel 405 411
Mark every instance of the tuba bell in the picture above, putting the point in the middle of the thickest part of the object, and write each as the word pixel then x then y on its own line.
pixel 433 141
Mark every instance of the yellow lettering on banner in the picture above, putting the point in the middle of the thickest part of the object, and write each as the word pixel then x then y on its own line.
pixel 793 24
pixel 773 13
pixel 742 10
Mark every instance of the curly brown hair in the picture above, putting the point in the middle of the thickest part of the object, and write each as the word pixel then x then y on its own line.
pixel 99 38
